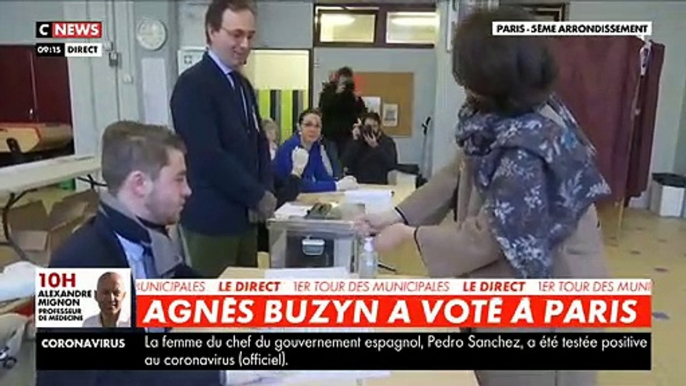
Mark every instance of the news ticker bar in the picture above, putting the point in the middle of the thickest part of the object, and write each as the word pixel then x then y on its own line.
pixel 343 351
pixel 81 50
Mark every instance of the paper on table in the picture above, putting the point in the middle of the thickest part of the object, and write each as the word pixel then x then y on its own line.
pixel 307 273
pixel 374 200
pixel 236 378
pixel 279 378
pixel 339 376
pixel 289 210
pixel 369 194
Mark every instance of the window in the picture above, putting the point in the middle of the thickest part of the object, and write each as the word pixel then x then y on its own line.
pixel 346 27
pixel 378 25
pixel 547 12
pixel 412 27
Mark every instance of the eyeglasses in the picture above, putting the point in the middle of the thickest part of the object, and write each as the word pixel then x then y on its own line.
pixel 238 34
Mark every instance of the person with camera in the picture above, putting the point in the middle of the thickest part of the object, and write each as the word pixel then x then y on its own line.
pixel 340 108
pixel 372 154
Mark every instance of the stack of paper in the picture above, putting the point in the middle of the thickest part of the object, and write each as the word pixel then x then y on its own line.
pixel 301 378
pixel 289 210
pixel 374 200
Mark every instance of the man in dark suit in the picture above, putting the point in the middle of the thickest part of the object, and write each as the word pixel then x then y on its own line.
pixel 214 109
pixel 145 172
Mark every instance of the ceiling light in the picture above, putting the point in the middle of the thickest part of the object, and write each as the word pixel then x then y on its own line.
pixel 334 19
pixel 414 14
pixel 416 21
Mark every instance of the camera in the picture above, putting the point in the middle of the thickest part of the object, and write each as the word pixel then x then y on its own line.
pixel 366 130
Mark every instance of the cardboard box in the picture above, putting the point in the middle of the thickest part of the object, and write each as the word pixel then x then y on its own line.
pixel 39 233
pixel 90 197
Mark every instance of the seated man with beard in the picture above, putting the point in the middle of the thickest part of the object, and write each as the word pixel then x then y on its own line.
pixel 145 172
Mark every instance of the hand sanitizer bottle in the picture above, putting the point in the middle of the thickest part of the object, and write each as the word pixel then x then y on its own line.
pixel 368 261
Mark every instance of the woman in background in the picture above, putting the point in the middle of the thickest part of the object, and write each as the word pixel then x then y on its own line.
pixel 314 177
pixel 522 188
pixel 271 130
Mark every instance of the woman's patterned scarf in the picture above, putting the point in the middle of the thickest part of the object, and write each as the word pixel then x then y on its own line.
pixel 537 178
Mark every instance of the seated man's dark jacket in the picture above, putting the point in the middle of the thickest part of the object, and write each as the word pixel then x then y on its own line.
pixel 371 165
pixel 228 159
pixel 95 245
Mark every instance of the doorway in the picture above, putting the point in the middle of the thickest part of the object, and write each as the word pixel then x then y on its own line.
pixel 282 82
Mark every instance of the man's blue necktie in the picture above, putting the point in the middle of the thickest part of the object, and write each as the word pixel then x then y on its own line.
pixel 240 94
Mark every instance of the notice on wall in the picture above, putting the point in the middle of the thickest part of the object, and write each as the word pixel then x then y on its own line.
pixel 186 57
pixel 155 93
pixel 373 104
pixel 390 115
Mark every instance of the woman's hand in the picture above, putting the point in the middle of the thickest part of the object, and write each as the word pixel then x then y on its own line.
pixel 393 236
pixel 371 140
pixel 340 87
pixel 356 130
pixel 370 224
pixel 347 183
pixel 300 157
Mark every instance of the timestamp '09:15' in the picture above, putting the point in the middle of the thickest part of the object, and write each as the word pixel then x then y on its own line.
pixel 49 49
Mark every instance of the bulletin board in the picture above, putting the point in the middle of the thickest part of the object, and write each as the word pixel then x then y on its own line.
pixel 396 90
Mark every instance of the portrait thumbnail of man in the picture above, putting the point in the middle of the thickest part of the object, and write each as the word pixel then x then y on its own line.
pixel 110 295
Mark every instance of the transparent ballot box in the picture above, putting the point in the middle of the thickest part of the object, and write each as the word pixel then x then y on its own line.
pixel 323 238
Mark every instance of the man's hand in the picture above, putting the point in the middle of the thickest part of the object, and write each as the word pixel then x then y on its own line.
pixel 371 140
pixel 267 205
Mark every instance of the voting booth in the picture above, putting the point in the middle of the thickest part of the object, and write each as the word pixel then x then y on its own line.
pixel 315 236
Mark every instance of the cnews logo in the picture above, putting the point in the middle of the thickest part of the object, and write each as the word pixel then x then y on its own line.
pixel 69 29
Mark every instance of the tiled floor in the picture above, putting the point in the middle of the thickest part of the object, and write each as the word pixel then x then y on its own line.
pixel 647 247
pixel 653 247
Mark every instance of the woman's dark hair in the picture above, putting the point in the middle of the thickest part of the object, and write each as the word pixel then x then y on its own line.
pixel 307 112
pixel 371 115
pixel 509 74
pixel 345 71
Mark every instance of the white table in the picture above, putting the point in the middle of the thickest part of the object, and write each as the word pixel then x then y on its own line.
pixel 397 378
pixel 18 180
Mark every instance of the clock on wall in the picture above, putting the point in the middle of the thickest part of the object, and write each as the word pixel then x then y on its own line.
pixel 151 34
